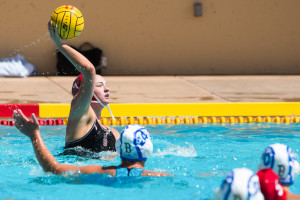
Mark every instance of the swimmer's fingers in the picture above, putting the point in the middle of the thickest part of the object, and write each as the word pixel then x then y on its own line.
pixel 56 31
pixel 53 31
pixel 17 117
pixel 15 114
pixel 35 121
pixel 22 116
pixel 50 29
pixel 17 120
pixel 58 38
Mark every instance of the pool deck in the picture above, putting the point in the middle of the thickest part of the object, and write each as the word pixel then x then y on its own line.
pixel 162 95
pixel 158 89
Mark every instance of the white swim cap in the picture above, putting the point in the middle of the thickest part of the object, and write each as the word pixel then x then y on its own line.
pixel 134 143
pixel 240 183
pixel 282 160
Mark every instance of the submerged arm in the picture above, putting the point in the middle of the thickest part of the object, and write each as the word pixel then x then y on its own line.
pixel 152 173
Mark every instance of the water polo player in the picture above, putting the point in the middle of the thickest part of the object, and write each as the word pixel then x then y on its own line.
pixel 240 183
pixel 134 147
pixel 281 159
pixel 270 185
pixel 91 95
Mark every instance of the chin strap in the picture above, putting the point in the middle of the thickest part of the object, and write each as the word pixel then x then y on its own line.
pixel 107 106
pixel 98 101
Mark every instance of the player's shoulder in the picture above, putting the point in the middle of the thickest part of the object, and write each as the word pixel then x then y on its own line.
pixel 270 185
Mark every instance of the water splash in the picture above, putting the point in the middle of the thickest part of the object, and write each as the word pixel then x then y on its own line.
pixel 33 43
pixel 177 150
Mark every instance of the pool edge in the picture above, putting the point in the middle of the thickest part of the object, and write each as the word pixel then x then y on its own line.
pixel 48 110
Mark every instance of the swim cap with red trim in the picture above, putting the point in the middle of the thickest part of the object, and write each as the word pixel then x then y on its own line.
pixel 76 86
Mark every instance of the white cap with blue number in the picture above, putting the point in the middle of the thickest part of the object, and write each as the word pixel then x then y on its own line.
pixel 282 160
pixel 240 183
pixel 134 143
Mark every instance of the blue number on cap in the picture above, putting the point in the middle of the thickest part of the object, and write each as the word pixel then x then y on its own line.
pixel 253 186
pixel 142 140
pixel 267 157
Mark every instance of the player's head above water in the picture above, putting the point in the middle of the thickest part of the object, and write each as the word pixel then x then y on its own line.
pixel 134 143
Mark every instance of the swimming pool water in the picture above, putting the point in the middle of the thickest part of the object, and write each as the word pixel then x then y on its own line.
pixel 199 156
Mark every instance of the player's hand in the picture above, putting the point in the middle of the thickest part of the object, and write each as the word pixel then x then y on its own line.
pixel 24 125
pixel 54 34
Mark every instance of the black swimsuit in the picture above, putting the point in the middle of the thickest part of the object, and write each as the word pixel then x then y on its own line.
pixel 96 140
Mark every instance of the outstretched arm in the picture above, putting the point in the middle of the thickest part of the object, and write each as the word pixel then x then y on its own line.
pixel 84 66
pixel 44 156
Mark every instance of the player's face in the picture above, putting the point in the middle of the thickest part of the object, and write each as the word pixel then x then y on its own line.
pixel 101 89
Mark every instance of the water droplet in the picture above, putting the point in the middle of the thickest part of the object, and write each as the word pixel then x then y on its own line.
pixel 22 48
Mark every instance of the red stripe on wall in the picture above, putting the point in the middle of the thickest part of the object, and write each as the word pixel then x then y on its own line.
pixel 6 110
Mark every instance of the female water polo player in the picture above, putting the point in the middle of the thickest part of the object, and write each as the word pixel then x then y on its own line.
pixel 240 183
pixel 134 147
pixel 91 95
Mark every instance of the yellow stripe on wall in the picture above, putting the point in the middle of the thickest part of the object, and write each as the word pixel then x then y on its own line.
pixel 54 110
pixel 183 109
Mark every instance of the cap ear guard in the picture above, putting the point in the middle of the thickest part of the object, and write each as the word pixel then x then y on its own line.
pixel 224 191
pixel 76 85
pixel 293 168
pixel 267 158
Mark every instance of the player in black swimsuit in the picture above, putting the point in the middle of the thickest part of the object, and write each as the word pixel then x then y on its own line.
pixel 91 95
pixel 96 140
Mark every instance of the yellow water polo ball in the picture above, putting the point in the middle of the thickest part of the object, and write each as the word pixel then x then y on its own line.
pixel 69 21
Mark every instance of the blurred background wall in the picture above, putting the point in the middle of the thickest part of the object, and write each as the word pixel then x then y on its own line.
pixel 163 37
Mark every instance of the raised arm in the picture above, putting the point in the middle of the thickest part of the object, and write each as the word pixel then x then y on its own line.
pixel 82 102
pixel 43 155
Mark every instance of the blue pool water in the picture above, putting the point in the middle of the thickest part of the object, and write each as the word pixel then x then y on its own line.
pixel 198 155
